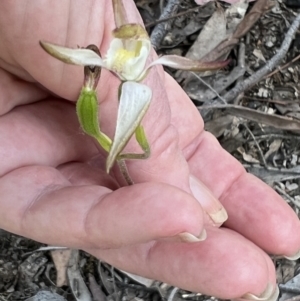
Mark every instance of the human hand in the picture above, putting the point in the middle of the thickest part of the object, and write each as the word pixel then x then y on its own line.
pixel 53 191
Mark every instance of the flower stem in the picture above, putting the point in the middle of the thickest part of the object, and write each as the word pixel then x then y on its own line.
pixel 124 171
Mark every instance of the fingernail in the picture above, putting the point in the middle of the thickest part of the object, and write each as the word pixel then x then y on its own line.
pixel 270 294
pixel 209 203
pixel 220 216
pixel 188 237
pixel 293 257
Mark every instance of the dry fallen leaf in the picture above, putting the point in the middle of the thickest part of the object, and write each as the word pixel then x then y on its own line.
pixel 247 157
pixel 202 2
pixel 273 148
pixel 279 122
pixel 61 259
pixel 258 9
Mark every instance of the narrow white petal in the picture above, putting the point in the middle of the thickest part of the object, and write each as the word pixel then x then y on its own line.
pixel 164 60
pixel 182 63
pixel 134 102
pixel 79 56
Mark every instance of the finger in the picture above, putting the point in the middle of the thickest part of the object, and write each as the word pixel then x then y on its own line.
pixel 254 209
pixel 47 208
pixel 71 24
pixel 45 133
pixel 88 174
pixel 184 116
pixel 94 174
pixel 223 265
pixel 15 92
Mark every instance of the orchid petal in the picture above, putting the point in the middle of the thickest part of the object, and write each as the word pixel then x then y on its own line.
pixel 182 63
pixel 134 101
pixel 79 56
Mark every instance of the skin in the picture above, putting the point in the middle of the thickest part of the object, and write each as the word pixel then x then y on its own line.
pixel 54 190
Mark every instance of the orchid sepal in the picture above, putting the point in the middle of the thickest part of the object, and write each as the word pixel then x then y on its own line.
pixel 74 56
pixel 119 13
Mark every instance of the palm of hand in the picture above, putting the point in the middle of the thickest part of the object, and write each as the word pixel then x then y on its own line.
pixel 46 181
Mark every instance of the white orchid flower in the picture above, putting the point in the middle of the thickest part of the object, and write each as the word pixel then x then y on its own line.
pixel 127 55
pixel 134 100
pixel 128 58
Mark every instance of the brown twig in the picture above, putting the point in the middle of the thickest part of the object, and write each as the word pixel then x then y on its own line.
pixel 244 124
pixel 276 121
pixel 161 20
pixel 276 101
pixel 160 30
pixel 270 65
pixel 257 145
pixel 282 192
pixel 280 68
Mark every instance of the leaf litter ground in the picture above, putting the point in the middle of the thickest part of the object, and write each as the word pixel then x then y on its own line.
pixel 259 126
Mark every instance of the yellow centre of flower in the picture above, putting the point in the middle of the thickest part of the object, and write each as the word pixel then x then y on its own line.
pixel 121 57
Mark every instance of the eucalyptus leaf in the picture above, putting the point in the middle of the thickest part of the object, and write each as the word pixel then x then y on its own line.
pixel 134 101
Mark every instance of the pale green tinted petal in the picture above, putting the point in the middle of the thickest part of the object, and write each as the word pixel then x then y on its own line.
pixel 134 101
pixel 135 66
pixel 79 56
pixel 127 58
pixel 182 63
